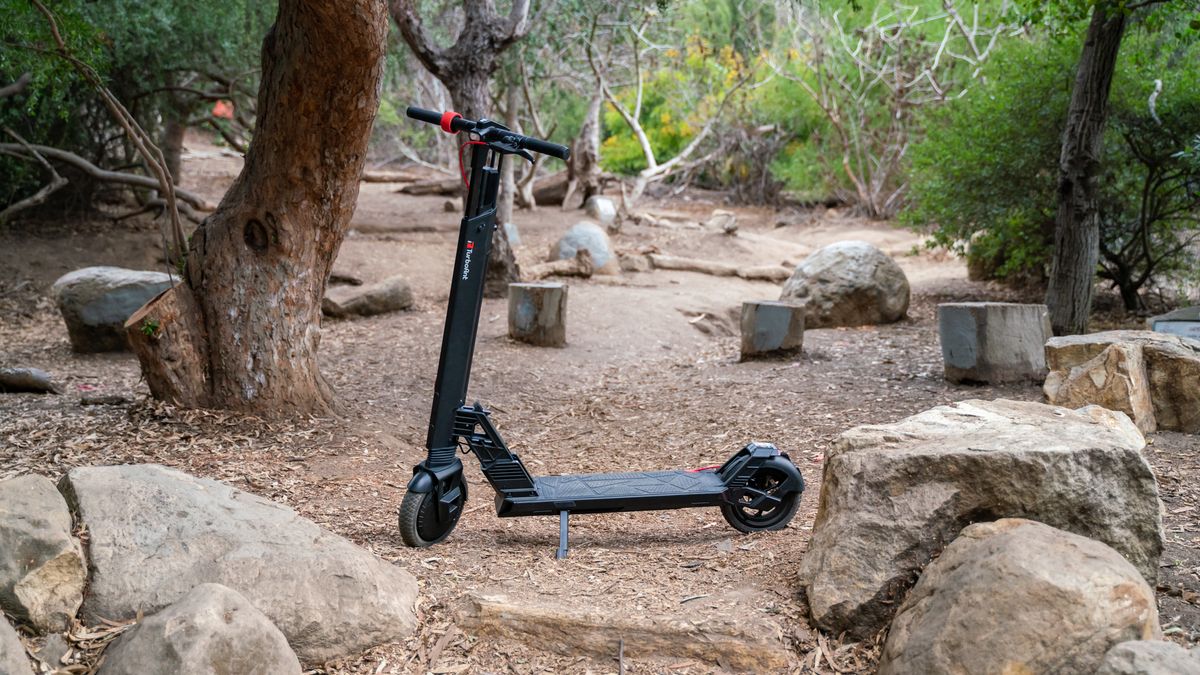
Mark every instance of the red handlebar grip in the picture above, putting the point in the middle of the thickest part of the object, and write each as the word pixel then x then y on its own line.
pixel 448 120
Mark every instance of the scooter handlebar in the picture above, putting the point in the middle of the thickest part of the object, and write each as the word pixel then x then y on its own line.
pixel 459 123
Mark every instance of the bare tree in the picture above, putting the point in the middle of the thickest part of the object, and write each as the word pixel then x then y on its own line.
pixel 466 68
pixel 242 330
pixel 870 82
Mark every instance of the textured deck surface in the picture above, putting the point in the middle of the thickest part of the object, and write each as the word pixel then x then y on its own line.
pixel 602 485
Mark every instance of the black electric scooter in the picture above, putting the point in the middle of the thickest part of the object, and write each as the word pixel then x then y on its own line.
pixel 758 488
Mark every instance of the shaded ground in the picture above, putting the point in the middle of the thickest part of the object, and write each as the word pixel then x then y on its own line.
pixel 649 380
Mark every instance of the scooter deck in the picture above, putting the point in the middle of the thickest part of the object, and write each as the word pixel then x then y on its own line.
pixel 609 492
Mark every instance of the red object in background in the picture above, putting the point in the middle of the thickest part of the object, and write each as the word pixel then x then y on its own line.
pixel 223 109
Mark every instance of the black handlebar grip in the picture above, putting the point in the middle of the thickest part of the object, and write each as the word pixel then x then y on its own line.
pixel 546 148
pixel 424 115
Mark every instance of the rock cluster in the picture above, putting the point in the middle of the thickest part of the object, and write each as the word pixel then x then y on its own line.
pixel 1152 377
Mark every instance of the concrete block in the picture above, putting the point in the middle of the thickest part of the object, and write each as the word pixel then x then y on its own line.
pixel 993 342
pixel 771 326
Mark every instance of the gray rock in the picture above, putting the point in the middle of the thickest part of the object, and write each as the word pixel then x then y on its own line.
pixel 722 221
pixel 1016 596
pixel 96 301
pixel 601 209
pixel 585 235
pixel 53 650
pixel 390 295
pixel 13 660
pixel 42 572
pixel 1150 657
pixel 27 380
pixel 155 533
pixel 513 233
pixel 1172 365
pixel 771 327
pixel 993 342
pixel 893 494
pixel 1184 322
pixel 850 283
pixel 212 630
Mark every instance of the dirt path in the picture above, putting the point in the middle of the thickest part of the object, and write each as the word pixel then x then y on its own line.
pixel 648 380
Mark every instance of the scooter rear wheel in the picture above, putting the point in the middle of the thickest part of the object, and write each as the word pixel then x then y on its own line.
pixel 745 518
pixel 419 523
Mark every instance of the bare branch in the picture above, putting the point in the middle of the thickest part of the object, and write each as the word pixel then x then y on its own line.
pixel 16 87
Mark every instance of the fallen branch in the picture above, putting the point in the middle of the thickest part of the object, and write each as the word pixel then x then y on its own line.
pixel 22 151
pixel 772 273
pixel 439 186
pixel 391 176
pixel 581 265
pixel 16 87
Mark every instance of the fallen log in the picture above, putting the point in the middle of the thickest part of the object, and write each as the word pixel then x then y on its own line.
pixel 437 186
pixel 581 265
pixel 393 176
pixel 670 262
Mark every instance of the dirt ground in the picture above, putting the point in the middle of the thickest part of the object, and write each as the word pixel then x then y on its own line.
pixel 649 380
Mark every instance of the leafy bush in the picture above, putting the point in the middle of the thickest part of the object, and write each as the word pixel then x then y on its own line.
pixel 984 178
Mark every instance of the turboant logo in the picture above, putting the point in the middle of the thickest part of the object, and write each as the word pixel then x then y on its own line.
pixel 467 260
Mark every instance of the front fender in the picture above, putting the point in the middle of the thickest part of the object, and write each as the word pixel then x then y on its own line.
pixel 427 480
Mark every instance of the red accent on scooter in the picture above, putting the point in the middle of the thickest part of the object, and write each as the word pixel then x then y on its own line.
pixel 698 469
pixel 447 118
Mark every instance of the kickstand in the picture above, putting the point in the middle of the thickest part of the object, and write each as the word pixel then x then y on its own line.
pixel 562 536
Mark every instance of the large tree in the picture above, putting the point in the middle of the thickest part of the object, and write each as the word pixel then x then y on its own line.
pixel 242 329
pixel 466 68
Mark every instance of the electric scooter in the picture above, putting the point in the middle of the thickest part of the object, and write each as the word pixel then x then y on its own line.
pixel 758 488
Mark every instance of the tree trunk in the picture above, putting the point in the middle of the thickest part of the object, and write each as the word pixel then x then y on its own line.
pixel 172 145
pixel 583 168
pixel 250 305
pixel 1077 223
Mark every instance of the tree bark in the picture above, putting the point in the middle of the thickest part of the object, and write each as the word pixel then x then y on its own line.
pixel 246 319
pixel 466 67
pixel 1077 222
pixel 172 146
pixel 583 169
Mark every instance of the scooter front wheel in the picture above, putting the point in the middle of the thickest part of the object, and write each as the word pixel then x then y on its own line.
pixel 419 523
pixel 745 515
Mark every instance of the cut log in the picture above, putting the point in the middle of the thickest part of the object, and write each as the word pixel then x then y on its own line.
pixel 581 265
pixel 670 262
pixel 175 369
pixel 537 313
pixel 771 327
pixel 993 342
pixel 448 187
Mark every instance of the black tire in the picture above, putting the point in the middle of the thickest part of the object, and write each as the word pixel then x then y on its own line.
pixel 745 519
pixel 419 526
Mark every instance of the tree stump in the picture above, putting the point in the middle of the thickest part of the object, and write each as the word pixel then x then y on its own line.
pixel 993 342
pixel 771 327
pixel 537 313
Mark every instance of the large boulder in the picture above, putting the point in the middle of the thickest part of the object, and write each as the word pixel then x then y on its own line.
pixel 893 494
pixel 601 209
pixel 1016 596
pixel 156 533
pixel 212 630
pixel 585 235
pixel 42 572
pixel 850 283
pixel 26 380
pixel 1115 379
pixel 1150 657
pixel 390 295
pixel 96 301
pixel 1172 364
pixel 13 660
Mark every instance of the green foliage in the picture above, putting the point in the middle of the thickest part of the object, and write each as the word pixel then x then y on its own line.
pixel 984 179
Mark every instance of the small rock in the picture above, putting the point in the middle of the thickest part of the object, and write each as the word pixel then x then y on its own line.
pixel 42 572
pixel 53 651
pixel 1150 657
pixel 588 236
pixel 13 660
pixel 155 533
pixel 344 279
pixel 634 262
pixel 902 490
pixel 1017 596
pixel 96 301
pixel 850 283
pixel 722 221
pixel 1114 379
pixel 212 630
pixel 601 209
pixel 26 380
pixel 450 206
pixel 389 295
